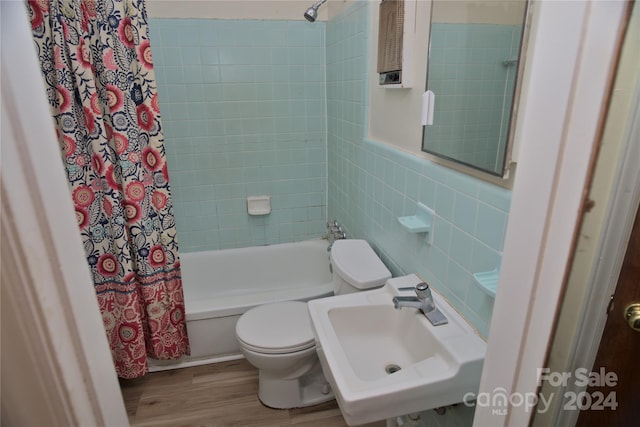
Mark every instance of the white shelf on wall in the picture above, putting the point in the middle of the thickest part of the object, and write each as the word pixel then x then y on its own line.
pixel 421 222
pixel 487 281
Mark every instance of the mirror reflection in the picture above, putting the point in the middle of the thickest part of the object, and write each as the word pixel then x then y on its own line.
pixel 472 69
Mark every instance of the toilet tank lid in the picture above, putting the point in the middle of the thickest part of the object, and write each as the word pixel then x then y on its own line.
pixel 358 264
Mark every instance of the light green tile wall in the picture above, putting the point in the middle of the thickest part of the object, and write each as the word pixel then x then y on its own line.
pixel 243 108
pixel 244 115
pixel 372 184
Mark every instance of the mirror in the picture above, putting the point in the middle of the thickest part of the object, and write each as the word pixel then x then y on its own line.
pixel 473 63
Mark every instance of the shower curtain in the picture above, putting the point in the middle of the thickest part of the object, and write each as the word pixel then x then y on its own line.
pixel 98 70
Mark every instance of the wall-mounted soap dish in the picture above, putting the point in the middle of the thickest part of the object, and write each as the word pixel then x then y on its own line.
pixel 413 224
pixel 487 281
pixel 421 222
pixel 258 205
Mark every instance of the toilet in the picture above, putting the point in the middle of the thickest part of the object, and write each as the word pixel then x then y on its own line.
pixel 278 338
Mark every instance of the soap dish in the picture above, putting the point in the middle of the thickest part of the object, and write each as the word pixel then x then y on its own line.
pixel 420 222
pixel 413 224
pixel 258 205
pixel 487 281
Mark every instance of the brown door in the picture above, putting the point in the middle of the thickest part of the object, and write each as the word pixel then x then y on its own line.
pixel 619 353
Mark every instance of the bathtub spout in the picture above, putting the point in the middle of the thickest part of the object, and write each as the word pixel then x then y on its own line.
pixel 330 238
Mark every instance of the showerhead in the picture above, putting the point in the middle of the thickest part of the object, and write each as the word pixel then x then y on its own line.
pixel 312 13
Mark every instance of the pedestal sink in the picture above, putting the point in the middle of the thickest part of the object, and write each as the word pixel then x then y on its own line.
pixel 382 362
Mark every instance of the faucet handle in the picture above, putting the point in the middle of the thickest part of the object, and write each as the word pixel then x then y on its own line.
pixel 423 291
pixel 424 294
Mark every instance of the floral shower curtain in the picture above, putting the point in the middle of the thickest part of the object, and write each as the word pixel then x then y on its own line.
pixel 97 66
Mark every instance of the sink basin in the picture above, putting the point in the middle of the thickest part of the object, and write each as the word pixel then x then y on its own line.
pixel 377 339
pixel 382 362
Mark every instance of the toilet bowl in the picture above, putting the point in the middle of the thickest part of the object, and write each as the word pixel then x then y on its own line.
pixel 278 338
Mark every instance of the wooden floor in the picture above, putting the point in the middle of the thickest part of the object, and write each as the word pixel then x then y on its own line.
pixel 221 394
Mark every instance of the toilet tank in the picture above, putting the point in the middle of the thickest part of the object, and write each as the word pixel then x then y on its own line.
pixel 356 267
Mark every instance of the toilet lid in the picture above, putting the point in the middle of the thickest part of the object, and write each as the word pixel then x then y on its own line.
pixel 282 327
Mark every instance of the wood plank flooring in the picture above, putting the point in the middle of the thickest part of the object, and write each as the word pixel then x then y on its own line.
pixel 217 395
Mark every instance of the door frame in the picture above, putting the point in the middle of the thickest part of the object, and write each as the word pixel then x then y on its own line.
pixel 622 210
pixel 570 68
pixel 59 369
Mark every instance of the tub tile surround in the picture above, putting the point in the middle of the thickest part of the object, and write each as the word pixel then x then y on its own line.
pixel 371 184
pixel 243 107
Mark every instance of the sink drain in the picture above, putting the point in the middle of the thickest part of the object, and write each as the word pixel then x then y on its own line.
pixel 391 368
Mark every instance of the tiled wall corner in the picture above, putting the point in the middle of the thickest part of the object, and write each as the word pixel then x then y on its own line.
pixel 243 107
pixel 347 62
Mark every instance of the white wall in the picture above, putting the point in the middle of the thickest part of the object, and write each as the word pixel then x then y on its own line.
pixel 233 9
pixel 394 114
pixel 507 12
pixel 335 7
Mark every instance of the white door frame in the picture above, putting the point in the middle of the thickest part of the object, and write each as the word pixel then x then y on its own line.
pixel 56 363
pixel 569 69
pixel 622 210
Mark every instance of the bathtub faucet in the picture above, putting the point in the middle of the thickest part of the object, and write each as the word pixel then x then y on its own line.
pixel 424 302
pixel 334 232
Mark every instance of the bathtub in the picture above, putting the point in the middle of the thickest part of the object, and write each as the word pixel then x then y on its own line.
pixel 221 285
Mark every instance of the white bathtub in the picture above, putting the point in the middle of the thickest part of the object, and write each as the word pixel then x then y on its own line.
pixel 221 285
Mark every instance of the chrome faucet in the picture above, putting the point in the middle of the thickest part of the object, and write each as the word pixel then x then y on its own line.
pixel 334 232
pixel 424 302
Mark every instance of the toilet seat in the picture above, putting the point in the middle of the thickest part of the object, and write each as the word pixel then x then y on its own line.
pixel 278 328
